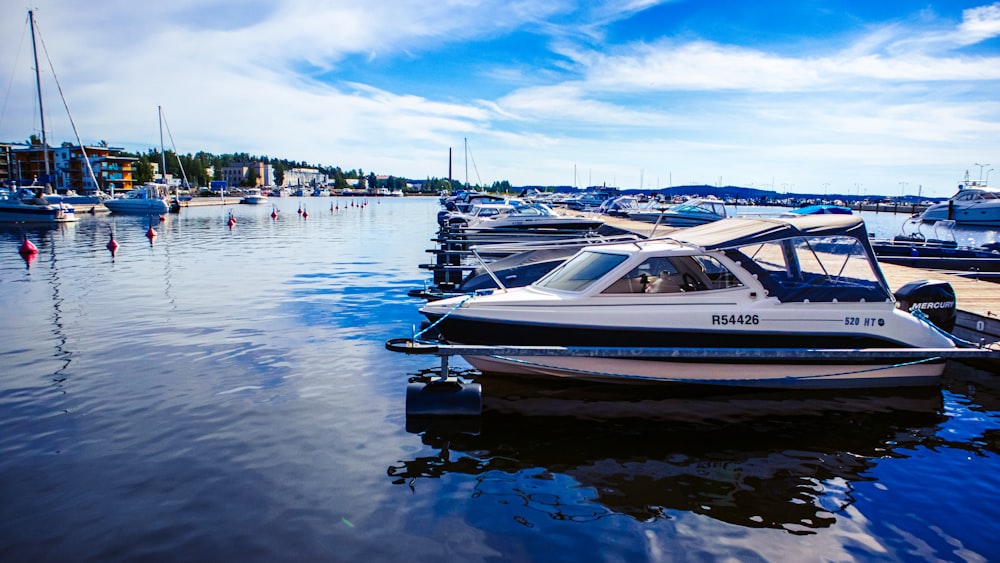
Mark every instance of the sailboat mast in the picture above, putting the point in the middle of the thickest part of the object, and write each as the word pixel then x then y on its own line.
pixel 38 86
pixel 163 155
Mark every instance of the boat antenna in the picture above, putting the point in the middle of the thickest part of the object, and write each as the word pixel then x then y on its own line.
pixel 83 150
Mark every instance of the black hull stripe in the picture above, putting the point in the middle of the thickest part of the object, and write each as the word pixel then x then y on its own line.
pixel 466 331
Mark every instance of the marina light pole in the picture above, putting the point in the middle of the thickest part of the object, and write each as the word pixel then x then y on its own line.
pixel 987 180
pixel 981 166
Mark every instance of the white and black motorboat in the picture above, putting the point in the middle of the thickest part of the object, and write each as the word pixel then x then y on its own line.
pixel 30 206
pixel 738 284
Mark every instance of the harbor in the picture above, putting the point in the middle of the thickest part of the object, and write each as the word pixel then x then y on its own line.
pixel 231 385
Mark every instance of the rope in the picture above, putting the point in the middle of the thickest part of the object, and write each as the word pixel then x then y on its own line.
pixel 416 337
pixel 958 341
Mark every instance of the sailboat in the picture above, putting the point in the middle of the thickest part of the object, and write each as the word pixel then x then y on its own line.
pixel 28 205
pixel 149 198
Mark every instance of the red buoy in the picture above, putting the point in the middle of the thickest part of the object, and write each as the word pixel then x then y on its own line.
pixel 232 220
pixel 27 248
pixel 151 234
pixel 305 213
pixel 274 213
pixel 112 245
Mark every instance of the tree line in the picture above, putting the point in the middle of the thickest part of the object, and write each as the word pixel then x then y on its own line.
pixel 195 168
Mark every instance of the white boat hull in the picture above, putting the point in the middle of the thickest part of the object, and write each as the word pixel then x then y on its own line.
pixel 140 207
pixel 767 375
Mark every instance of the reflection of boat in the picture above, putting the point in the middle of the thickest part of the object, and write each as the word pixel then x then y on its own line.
pixel 253 196
pixel 697 211
pixel 148 199
pixel 26 206
pixel 752 458
pixel 974 204
pixel 731 285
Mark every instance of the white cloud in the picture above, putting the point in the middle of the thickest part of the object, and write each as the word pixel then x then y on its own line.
pixel 893 100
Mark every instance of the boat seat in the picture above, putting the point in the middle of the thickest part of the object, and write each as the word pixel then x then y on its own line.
pixel 626 285
pixel 666 282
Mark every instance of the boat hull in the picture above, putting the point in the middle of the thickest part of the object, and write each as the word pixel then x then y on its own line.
pixel 980 216
pixel 798 375
pixel 146 207
pixel 40 214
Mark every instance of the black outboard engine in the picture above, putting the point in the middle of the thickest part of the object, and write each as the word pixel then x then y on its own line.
pixel 936 299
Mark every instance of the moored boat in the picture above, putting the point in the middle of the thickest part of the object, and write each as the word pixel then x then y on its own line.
pixel 974 204
pixel 27 206
pixel 735 285
pixel 148 199
pixel 697 211
pixel 253 196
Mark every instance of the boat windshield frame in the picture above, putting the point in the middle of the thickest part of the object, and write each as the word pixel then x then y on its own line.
pixel 582 271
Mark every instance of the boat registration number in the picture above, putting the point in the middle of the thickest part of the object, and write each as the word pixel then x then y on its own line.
pixel 864 321
pixel 735 320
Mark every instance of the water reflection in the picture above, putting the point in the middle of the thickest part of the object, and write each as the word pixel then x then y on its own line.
pixel 750 458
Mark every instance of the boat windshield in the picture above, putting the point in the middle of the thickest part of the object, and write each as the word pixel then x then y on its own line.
pixel 582 270
pixel 815 269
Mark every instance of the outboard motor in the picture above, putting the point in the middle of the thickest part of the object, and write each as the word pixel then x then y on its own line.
pixel 936 299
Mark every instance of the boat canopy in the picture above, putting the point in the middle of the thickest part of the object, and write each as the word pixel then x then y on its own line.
pixel 742 231
pixel 813 257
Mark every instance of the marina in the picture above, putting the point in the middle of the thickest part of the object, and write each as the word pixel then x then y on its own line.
pixel 230 384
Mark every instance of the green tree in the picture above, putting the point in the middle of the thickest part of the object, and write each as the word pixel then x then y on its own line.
pixel 279 173
pixel 143 171
pixel 251 177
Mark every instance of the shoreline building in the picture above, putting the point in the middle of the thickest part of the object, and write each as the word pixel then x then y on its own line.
pixel 235 174
pixel 68 168
pixel 304 177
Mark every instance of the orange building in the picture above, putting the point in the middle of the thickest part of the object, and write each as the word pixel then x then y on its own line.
pixel 68 168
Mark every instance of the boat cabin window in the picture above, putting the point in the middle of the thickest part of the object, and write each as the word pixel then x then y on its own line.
pixel 579 272
pixel 818 269
pixel 675 274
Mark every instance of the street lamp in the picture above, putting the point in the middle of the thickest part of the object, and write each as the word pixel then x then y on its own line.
pixel 987 181
pixel 981 166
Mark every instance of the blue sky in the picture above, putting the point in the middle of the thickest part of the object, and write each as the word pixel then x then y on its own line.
pixel 852 97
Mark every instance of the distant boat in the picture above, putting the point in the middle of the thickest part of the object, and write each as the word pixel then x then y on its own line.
pixel 396 193
pixel 148 199
pixel 974 204
pixel 697 211
pixel 254 196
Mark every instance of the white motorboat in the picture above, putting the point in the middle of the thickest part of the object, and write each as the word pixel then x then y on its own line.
pixel 975 204
pixel 520 215
pixel 148 199
pixel 696 211
pixel 254 196
pixel 27 206
pixel 806 283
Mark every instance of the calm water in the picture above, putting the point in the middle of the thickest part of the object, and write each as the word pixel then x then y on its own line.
pixel 225 394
